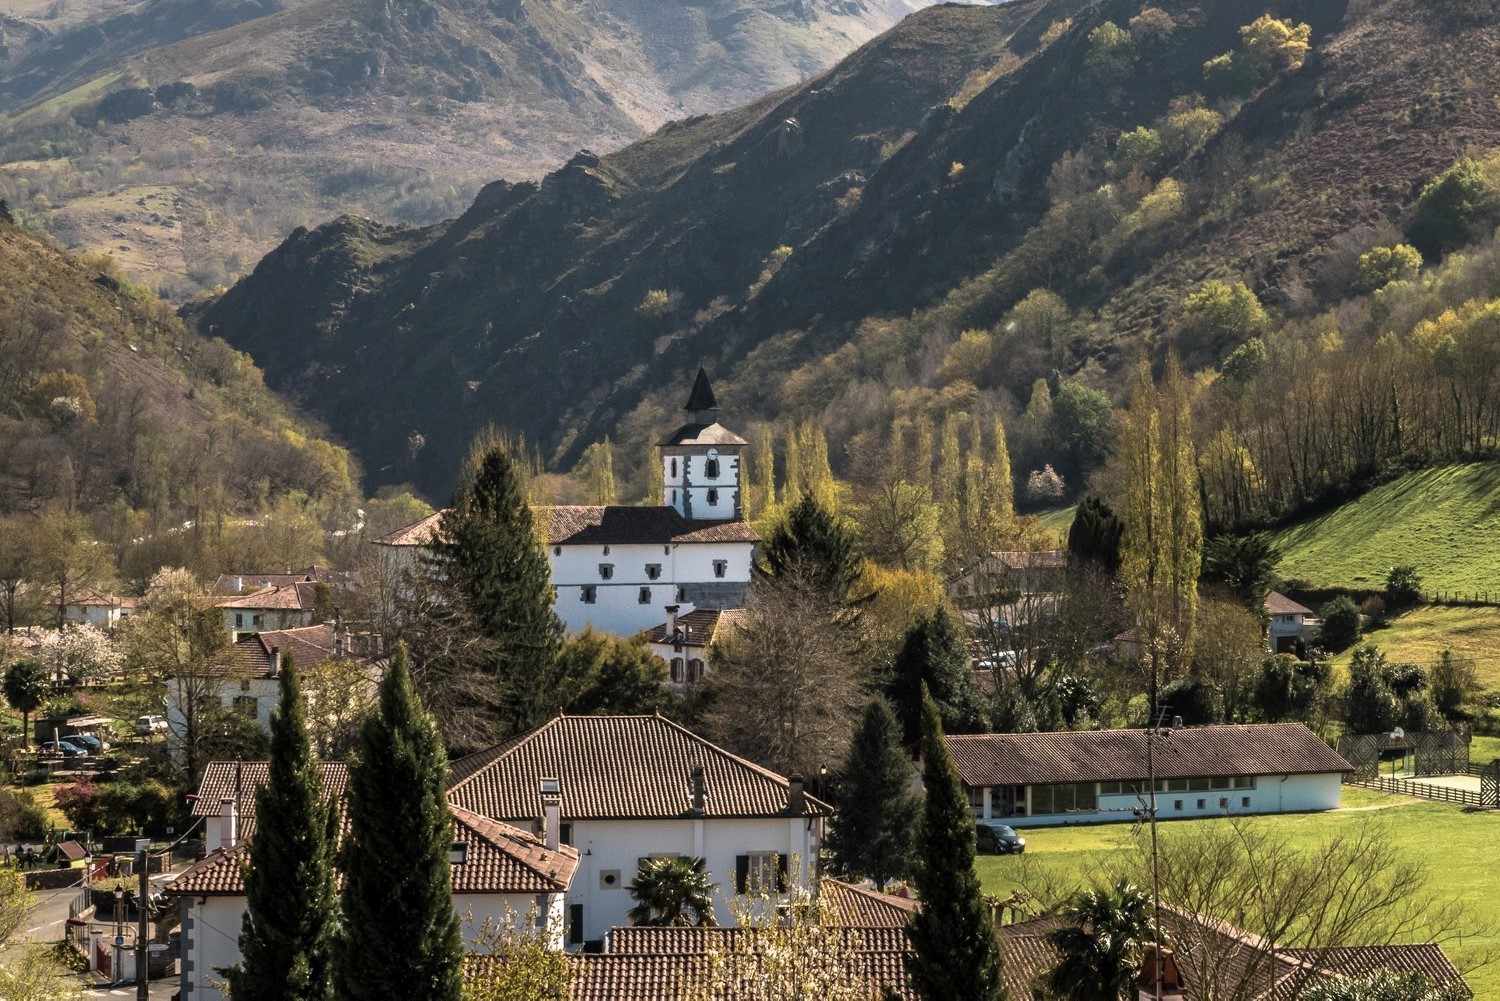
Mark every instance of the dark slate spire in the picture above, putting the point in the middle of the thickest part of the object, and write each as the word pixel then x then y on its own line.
pixel 701 403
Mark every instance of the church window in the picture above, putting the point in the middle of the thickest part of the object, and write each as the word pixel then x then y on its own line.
pixel 590 594
pixel 606 571
pixel 653 571
pixel 713 496
pixel 711 469
pixel 673 467
pixel 721 567
pixel 682 594
pixel 645 598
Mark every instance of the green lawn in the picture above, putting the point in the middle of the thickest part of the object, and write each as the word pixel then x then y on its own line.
pixel 1057 521
pixel 1445 522
pixel 1419 636
pixel 1458 848
pixel 1483 750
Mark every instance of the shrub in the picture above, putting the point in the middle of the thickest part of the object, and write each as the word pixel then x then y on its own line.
pixel 1111 50
pixel 1152 26
pixel 1056 30
pixel 1403 587
pixel 1044 485
pixel 1195 700
pixel 1228 75
pixel 1139 149
pixel 1273 45
pixel 654 304
pixel 1383 265
pixel 1340 623
pixel 1184 133
pixel 1455 208
pixel 1217 315
pixel 20 818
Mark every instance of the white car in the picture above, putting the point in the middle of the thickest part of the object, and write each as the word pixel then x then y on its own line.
pixel 145 726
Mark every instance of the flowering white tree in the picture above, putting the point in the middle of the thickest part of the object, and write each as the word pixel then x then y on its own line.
pixel 82 652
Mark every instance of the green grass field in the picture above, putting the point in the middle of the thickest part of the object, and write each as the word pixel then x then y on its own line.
pixel 1421 635
pixel 1057 521
pixel 1457 847
pixel 1445 522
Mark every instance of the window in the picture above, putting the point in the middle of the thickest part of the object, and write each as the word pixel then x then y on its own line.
pixel 976 800
pixel 694 670
pixel 239 620
pixel 1177 804
pixel 575 924
pixel 713 495
pixel 711 469
pixel 721 568
pixel 245 705
pixel 1079 797
pixel 606 571
pixel 653 571
pixel 1224 802
pixel 682 594
pixel 557 550
pixel 672 466
pixel 565 834
pixel 244 684
pixel 645 597
pixel 677 670
pixel 1245 802
pixel 255 621
pixel 759 872
pixel 589 594
pixel 1201 803
pixel 606 550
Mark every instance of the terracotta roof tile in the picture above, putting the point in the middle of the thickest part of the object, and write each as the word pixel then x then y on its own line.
pixel 310 646
pixel 418 534
pixel 1428 959
pixel 1120 755
pixel 859 907
pixel 1280 604
pixel 698 628
pixel 224 584
pixel 616 767
pixel 686 941
pixel 296 597
pixel 580 524
pixel 240 781
pixel 614 977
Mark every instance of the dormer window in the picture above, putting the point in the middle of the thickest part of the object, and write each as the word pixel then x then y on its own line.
pixel 606 571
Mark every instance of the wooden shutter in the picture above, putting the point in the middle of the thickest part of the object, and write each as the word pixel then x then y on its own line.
pixel 742 873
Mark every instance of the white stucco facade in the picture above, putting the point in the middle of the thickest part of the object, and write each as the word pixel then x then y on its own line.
pixel 624 589
pixel 611 850
pixel 1175 799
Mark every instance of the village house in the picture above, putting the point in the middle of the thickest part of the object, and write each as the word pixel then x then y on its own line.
pixel 98 608
pixel 637 787
pixel 499 873
pixel 1290 624
pixel 684 641
pixel 244 583
pixel 617 568
pixel 279 606
pixel 1096 776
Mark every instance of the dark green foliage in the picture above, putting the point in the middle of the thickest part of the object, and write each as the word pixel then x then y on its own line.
pixel 26 686
pixel 1244 564
pixel 1456 207
pixel 1103 942
pixel 1229 75
pixel 20 818
pixel 1403 588
pixel 933 659
pixel 1095 535
pixel 1455 685
pixel 1081 420
pixel 1245 361
pixel 1195 700
pixel 1370 706
pixel 489 555
pixel 813 545
pixel 291 915
pixel 1383 985
pixel 1076 701
pixel 1289 689
pixel 118 807
pixel 873 834
pixel 1341 623
pixel 608 675
pixel 672 891
pixel 955 952
pixel 400 936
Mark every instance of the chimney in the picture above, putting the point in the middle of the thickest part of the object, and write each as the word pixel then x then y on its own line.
pixel 275 661
pixel 672 611
pixel 229 830
pixel 551 812
pixel 796 796
pixel 699 786
pixel 1171 980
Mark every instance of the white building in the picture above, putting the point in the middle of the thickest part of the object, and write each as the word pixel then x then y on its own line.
pixel 277 606
pixel 1093 776
pixel 499 872
pixel 617 568
pixel 637 787
pixel 1290 623
pixel 98 608
pixel 685 641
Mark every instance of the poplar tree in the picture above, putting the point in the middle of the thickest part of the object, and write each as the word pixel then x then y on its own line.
pixel 955 952
pixel 400 936
pixel 1005 484
pixel 489 555
pixel 763 474
pixel 873 832
pixel 948 471
pixel 922 450
pixel 291 912
pixel 601 470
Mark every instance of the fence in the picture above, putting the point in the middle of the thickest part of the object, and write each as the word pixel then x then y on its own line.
pixel 1443 596
pixel 1424 790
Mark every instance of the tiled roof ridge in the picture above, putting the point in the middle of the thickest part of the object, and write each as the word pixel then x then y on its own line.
pixel 483 759
pixel 731 756
pixel 499 834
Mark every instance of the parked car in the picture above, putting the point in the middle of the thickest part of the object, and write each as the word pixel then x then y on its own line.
pixel 63 747
pixel 998 839
pixel 145 726
pixel 87 741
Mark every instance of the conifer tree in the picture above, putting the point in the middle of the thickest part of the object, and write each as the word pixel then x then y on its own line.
pixel 933 659
pixel 955 952
pixel 873 833
pixel 490 552
pixel 815 546
pixel 291 913
pixel 400 936
pixel 1095 535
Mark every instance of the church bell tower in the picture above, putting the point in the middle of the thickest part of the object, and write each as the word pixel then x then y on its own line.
pixel 702 462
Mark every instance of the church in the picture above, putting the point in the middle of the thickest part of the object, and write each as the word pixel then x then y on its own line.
pixel 623 569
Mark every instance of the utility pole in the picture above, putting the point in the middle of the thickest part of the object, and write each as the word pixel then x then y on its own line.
pixel 142 987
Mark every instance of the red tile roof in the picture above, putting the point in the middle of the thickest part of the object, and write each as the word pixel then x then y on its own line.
pixel 996 759
pixel 583 524
pixel 636 940
pixel 698 627
pixel 308 645
pixel 860 907
pixel 617 767
pixel 1280 604
pixel 240 781
pixel 1427 958
pixel 300 596
pixel 644 977
pixel 418 534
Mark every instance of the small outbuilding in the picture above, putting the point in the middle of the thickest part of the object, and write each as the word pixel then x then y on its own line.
pixel 1098 776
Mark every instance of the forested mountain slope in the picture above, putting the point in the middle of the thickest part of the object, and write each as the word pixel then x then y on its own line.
pixel 188 139
pixel 822 250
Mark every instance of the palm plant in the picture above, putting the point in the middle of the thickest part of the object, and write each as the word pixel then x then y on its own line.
pixel 1102 944
pixel 672 891
pixel 26 687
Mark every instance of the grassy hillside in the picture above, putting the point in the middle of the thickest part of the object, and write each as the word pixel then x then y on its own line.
pixel 1445 522
pixel 1433 834
pixel 186 146
pixel 1421 635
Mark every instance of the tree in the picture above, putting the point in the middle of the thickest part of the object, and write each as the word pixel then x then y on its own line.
pixel 1455 683
pixel 1194 700
pixel 873 831
pixel 1456 207
pixel 1229 74
pixel 1341 623
pixel 813 545
pixel 291 915
pixel 672 891
pixel 1095 535
pixel 1218 316
pixel 1289 689
pixel 899 526
pixel 955 952
pixel 1403 588
pixel 760 498
pixel 68 558
pixel 1044 486
pixel 1383 985
pixel 1139 149
pixel 1102 941
pixel 933 660
pixel 1273 45
pixel 1244 564
pixel 1370 704
pixel 1111 51
pixel 599 462
pixel 1380 266
pixel 516 961
pixel 1227 653
pixel 26 688
pixel 1081 422
pixel 81 652
pixel 608 675
pixel 30 972
pixel 489 554
pixel 18 565
pixel 400 936
pixel 339 694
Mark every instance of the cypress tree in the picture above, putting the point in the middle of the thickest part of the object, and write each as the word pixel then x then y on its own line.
pixel 490 553
pixel 933 659
pixel 400 936
pixel 1095 535
pixel 873 833
pixel 955 952
pixel 813 545
pixel 286 937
